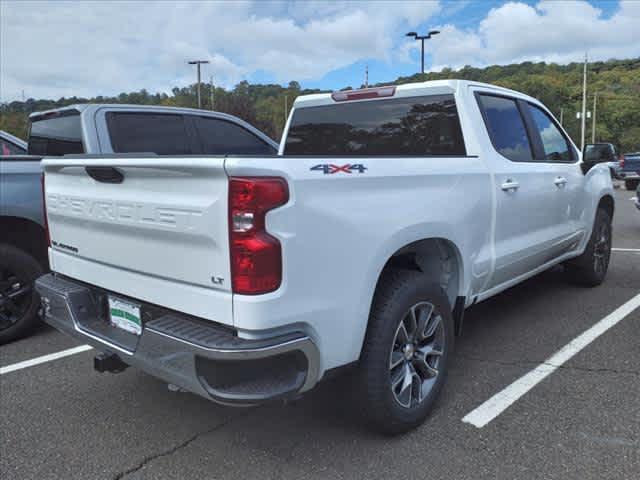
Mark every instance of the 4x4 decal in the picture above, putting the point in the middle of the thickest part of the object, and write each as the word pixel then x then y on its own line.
pixel 330 168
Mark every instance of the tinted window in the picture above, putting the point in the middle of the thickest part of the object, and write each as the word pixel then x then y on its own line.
pixel 223 137
pixel 160 133
pixel 554 143
pixel 8 148
pixel 402 126
pixel 58 134
pixel 506 127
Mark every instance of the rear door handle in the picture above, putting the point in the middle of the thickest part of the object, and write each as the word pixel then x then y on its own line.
pixel 560 182
pixel 510 186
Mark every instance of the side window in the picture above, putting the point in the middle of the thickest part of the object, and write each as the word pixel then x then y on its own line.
pixel 220 137
pixel 160 133
pixel 506 127
pixel 8 148
pixel 554 143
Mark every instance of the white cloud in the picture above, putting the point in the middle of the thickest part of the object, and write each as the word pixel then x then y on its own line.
pixel 551 31
pixel 87 48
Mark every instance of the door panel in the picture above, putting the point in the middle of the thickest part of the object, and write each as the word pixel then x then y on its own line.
pixel 527 199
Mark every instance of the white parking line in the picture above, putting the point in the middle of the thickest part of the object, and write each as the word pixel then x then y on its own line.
pixel 497 404
pixel 43 359
pixel 626 250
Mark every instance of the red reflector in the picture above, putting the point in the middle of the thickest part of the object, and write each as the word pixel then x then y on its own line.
pixel 256 256
pixel 44 211
pixel 378 92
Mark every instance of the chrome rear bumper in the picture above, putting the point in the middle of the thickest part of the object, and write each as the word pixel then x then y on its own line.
pixel 196 355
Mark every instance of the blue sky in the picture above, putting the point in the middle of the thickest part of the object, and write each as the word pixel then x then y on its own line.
pixel 87 48
pixel 463 14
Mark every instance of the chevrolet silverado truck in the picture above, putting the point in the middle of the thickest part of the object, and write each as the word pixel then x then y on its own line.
pixel 90 129
pixel 387 212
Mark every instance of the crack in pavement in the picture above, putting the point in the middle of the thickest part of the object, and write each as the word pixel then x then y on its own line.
pixel 524 363
pixel 165 453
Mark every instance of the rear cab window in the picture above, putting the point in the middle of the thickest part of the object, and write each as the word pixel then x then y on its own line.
pixel 411 126
pixel 58 133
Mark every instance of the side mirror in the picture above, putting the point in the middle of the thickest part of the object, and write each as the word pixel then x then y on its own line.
pixel 594 153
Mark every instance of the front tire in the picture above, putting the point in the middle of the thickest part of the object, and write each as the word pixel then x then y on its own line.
pixel 19 301
pixel 590 268
pixel 405 356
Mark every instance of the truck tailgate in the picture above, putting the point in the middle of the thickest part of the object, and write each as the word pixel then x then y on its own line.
pixel 152 228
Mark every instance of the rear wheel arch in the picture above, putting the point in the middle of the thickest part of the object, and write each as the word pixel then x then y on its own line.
pixel 25 235
pixel 440 260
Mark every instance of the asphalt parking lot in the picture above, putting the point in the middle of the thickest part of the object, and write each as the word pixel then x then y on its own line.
pixel 60 419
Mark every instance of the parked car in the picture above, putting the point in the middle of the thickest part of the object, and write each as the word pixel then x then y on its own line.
pixel 92 129
pixel 11 145
pixel 630 170
pixel 604 153
pixel 23 245
pixel 390 211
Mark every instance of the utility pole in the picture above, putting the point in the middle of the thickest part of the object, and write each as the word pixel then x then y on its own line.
pixel 593 120
pixel 366 76
pixel 422 38
pixel 211 92
pixel 286 110
pixel 198 63
pixel 584 104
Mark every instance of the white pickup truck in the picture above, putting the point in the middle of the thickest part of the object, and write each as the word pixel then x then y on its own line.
pixel 386 213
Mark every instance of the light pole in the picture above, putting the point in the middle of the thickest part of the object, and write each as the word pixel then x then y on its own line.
pixel 422 38
pixel 198 63
pixel 584 104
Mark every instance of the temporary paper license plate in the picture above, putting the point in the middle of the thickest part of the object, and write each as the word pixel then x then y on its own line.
pixel 125 315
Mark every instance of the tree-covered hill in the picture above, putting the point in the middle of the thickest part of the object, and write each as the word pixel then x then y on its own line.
pixel 616 84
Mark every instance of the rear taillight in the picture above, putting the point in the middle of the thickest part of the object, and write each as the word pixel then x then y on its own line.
pixel 621 161
pixel 44 211
pixel 256 256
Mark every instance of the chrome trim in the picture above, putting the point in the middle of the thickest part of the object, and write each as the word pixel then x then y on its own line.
pixel 168 357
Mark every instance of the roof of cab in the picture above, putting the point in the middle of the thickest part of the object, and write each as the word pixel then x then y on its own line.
pixel 81 107
pixel 89 108
pixel 432 87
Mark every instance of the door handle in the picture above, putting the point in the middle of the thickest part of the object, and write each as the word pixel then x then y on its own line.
pixel 560 182
pixel 510 185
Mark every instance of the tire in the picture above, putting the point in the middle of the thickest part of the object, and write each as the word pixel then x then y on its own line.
pixel 631 184
pixel 390 409
pixel 19 302
pixel 590 268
